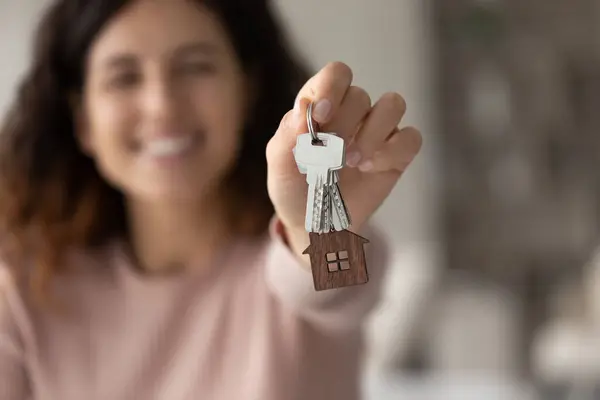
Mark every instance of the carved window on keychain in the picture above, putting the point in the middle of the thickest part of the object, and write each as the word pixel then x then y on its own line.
pixel 338 261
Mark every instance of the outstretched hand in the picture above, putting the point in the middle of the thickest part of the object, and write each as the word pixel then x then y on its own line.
pixel 378 151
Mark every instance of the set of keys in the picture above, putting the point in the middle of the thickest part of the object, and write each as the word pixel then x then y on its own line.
pixel 319 156
pixel 337 255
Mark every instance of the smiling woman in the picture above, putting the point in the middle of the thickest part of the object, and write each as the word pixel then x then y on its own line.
pixel 148 189
pixel 150 111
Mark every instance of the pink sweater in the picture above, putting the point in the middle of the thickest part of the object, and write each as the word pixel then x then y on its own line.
pixel 252 329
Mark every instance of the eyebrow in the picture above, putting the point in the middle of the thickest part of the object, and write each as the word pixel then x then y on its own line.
pixel 125 60
pixel 120 61
pixel 204 48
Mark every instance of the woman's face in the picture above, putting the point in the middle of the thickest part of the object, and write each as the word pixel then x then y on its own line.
pixel 164 101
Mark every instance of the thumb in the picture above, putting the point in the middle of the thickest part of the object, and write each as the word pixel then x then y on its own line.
pixel 280 158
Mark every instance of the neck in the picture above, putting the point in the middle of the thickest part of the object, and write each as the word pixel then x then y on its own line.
pixel 177 235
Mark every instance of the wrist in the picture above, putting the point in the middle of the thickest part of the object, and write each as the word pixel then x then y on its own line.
pixel 297 240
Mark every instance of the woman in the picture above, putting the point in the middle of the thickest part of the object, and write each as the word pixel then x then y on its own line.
pixel 150 249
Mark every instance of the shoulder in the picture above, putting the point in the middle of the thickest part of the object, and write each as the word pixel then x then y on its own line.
pixel 16 280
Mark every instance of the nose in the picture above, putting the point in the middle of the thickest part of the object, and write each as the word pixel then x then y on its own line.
pixel 159 102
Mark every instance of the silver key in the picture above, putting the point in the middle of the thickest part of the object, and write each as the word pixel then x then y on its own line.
pixel 317 161
pixel 335 216
pixel 340 218
pixel 329 214
pixel 326 219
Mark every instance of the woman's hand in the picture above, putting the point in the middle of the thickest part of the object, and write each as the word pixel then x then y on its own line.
pixel 377 150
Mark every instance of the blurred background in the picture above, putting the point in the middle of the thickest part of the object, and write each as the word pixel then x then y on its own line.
pixel 495 288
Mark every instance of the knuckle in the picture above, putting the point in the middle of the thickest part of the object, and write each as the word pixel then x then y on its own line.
pixel 395 101
pixel 269 149
pixel 287 119
pixel 339 68
pixel 286 125
pixel 414 139
pixel 360 96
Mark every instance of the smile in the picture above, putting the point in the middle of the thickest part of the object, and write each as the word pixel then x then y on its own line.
pixel 168 146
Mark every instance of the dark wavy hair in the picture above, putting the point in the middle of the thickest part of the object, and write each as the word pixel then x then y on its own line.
pixel 52 198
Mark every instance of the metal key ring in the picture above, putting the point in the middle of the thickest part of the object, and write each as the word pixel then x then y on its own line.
pixel 311 124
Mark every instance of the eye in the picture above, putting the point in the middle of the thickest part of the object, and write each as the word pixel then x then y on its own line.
pixel 196 68
pixel 124 80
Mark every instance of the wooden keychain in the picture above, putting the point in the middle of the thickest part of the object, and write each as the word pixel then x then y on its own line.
pixel 337 256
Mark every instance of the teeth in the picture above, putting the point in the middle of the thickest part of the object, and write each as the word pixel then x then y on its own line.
pixel 165 147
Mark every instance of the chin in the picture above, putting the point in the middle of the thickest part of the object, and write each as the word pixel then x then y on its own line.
pixel 171 193
pixel 174 190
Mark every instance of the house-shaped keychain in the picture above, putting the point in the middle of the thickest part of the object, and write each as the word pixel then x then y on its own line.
pixel 337 259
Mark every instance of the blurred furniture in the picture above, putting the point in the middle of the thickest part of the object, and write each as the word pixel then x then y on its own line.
pixel 456 387
pixel 474 331
pixel 520 106
pixel 566 350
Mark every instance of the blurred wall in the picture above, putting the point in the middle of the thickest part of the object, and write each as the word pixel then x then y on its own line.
pixel 17 19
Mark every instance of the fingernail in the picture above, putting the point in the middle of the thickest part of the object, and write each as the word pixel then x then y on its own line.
pixel 322 110
pixel 353 158
pixel 366 166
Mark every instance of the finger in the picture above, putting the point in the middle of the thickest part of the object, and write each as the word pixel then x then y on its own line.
pixel 353 110
pixel 381 122
pixel 397 152
pixel 327 89
pixel 278 151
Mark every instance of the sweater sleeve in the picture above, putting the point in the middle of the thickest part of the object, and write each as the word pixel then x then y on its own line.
pixel 336 309
pixel 13 380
